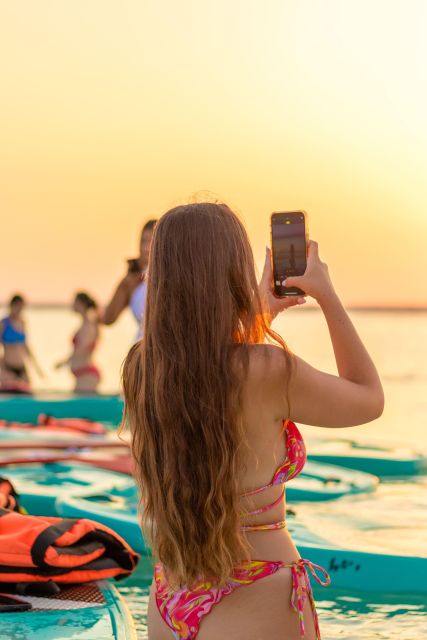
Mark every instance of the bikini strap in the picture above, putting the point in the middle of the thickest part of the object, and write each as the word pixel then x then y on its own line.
pixel 301 589
pixel 312 566
pixel 254 492
pixel 266 507
pixel 264 527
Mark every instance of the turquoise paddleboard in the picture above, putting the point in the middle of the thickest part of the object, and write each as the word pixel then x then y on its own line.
pixel 92 611
pixel 117 508
pixel 103 408
pixel 349 568
pixel 328 482
pixel 39 485
pixel 378 460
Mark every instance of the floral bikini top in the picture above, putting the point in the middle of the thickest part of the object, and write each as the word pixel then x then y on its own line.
pixel 291 467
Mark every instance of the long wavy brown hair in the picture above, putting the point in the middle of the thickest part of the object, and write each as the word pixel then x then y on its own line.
pixel 182 386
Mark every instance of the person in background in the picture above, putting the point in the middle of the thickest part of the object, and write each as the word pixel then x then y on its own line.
pixel 84 343
pixel 16 351
pixel 131 290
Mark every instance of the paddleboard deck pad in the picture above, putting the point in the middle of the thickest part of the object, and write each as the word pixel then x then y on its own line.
pixel 87 611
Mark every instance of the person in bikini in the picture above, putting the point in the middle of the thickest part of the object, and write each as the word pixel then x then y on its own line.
pixel 16 350
pixel 81 363
pixel 131 290
pixel 212 398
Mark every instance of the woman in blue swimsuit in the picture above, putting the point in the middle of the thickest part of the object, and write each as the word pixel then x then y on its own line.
pixel 16 351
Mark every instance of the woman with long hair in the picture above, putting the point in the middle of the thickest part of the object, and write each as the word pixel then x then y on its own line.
pixel 84 341
pixel 212 395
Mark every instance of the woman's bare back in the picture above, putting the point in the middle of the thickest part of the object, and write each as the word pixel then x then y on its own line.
pixel 262 609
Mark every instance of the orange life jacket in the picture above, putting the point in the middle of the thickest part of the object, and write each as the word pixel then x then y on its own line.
pixel 75 424
pixel 63 550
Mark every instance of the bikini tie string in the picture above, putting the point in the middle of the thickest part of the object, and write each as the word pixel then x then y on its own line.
pixel 301 588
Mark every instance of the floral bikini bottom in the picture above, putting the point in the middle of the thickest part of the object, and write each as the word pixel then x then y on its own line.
pixel 184 609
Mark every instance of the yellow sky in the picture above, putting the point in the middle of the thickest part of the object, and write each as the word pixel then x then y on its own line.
pixel 114 111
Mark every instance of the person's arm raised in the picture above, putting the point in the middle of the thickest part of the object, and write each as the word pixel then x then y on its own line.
pixel 118 302
pixel 318 398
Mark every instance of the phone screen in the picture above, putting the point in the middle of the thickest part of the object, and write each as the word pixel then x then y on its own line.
pixel 288 239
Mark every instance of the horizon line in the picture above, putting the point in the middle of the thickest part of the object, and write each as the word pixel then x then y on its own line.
pixel 353 307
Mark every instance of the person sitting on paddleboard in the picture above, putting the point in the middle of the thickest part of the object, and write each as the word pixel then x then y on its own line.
pixel 131 290
pixel 84 342
pixel 16 351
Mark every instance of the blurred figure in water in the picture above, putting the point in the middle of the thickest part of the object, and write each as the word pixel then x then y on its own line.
pixel 84 343
pixel 16 351
pixel 131 290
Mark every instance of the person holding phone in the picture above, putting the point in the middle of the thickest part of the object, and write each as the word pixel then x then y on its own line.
pixel 131 290
pixel 212 395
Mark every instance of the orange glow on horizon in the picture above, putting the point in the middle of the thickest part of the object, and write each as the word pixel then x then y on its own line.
pixel 113 113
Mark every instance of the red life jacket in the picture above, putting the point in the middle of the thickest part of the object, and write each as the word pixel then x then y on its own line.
pixel 64 550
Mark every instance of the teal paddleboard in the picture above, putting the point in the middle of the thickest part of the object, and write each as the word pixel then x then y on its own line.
pixel 39 485
pixel 92 611
pixel 349 568
pixel 380 461
pixel 361 570
pixel 318 482
pixel 117 507
pixel 103 408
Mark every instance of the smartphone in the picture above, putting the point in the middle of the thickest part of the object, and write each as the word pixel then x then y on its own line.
pixel 289 242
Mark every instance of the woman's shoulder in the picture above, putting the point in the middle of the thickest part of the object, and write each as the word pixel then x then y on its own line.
pixel 264 383
pixel 266 355
pixel 265 361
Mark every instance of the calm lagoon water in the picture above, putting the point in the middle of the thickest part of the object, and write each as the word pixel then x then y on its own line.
pixel 397 341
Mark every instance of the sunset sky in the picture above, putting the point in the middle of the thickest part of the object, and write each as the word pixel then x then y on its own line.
pixel 112 112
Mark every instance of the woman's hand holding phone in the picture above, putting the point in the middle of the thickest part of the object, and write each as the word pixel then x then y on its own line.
pixel 315 281
pixel 271 304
